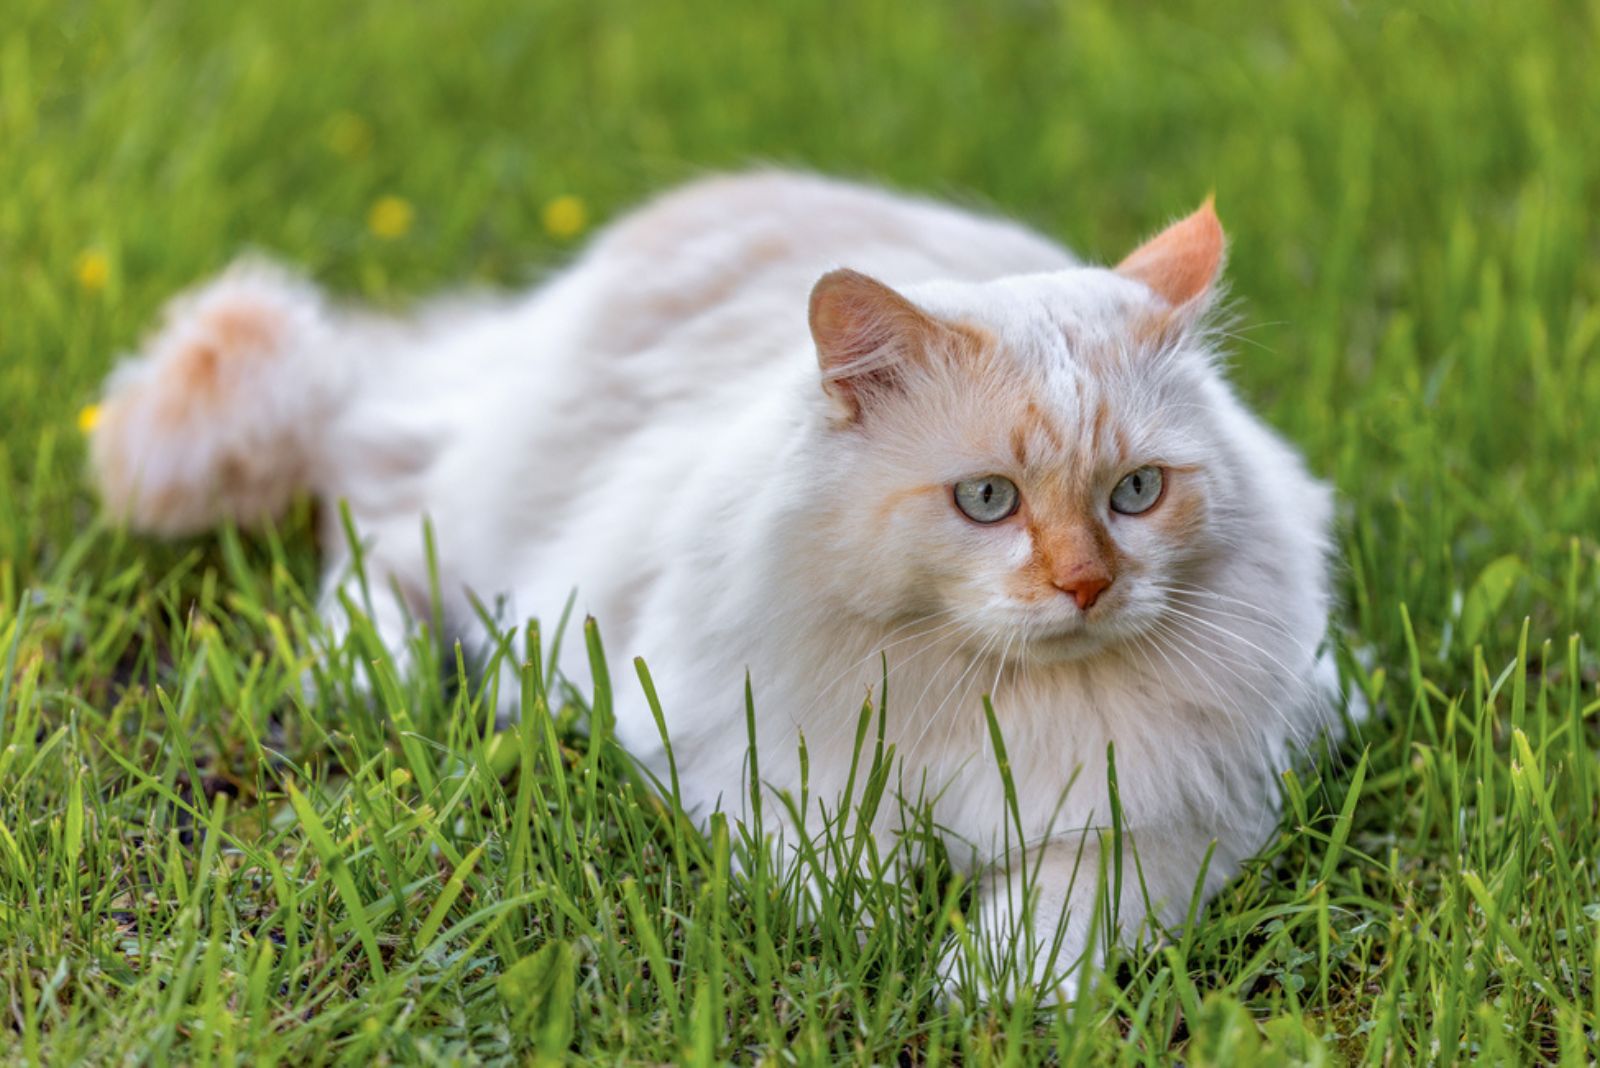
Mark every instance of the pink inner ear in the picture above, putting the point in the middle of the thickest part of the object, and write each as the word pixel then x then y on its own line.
pixel 852 316
pixel 862 329
pixel 1182 261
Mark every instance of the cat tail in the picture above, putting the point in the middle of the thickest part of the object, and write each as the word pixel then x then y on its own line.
pixel 225 414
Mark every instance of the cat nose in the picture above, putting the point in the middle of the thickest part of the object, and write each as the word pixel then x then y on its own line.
pixel 1085 587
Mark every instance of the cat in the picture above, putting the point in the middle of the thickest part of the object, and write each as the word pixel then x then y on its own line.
pixel 816 432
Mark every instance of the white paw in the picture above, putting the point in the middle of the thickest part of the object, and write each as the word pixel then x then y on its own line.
pixel 990 979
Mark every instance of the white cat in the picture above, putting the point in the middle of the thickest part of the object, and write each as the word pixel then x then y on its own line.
pixel 1010 473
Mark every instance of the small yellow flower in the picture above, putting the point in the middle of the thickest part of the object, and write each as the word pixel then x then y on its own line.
pixel 88 418
pixel 93 270
pixel 347 134
pixel 565 217
pixel 390 217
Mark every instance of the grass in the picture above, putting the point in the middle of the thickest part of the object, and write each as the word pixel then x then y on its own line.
pixel 201 861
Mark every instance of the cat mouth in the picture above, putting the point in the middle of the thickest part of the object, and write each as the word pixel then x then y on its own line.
pixel 1061 638
pixel 1060 648
pixel 1056 631
pixel 1075 637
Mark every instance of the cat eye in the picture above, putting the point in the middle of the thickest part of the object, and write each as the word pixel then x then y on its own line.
pixel 1138 491
pixel 988 499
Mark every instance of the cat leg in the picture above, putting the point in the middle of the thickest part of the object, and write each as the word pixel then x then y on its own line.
pixel 1029 925
pixel 390 623
pixel 1043 920
pixel 376 581
pixel 377 607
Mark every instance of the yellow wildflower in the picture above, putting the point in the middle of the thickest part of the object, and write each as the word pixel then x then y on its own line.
pixel 565 217
pixel 88 418
pixel 93 270
pixel 390 217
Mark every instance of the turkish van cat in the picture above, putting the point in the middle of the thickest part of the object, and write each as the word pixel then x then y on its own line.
pixel 814 432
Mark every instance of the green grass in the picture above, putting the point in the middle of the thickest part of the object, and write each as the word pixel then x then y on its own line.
pixel 200 862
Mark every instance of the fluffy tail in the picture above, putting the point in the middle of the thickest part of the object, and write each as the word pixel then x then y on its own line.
pixel 224 414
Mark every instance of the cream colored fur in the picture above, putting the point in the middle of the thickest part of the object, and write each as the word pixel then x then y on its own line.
pixel 650 428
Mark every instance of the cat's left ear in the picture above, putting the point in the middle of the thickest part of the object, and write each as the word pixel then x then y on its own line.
pixel 1182 263
pixel 866 335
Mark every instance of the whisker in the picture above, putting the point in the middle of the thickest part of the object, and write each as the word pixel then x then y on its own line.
pixel 1190 588
pixel 977 659
pixel 1225 664
pixel 1182 599
pixel 1236 636
pixel 1227 714
pixel 880 650
pixel 843 676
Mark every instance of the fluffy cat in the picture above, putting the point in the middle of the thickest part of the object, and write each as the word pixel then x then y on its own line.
pixel 1010 473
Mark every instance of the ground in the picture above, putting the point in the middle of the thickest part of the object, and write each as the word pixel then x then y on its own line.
pixel 201 861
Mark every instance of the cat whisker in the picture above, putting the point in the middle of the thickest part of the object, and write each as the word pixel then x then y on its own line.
pixel 944 743
pixel 1182 599
pixel 882 650
pixel 977 659
pixel 934 676
pixel 1223 646
pixel 1229 666
pixel 1000 666
pixel 961 636
pixel 1227 707
pixel 825 692
pixel 1250 606
pixel 1236 636
pixel 1224 706
pixel 1232 720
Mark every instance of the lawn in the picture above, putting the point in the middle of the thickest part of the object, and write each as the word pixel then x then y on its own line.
pixel 202 860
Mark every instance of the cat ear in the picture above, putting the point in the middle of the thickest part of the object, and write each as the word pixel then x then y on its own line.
pixel 1181 263
pixel 865 333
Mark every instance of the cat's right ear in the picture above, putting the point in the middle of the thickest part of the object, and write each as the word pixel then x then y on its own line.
pixel 865 333
pixel 1181 264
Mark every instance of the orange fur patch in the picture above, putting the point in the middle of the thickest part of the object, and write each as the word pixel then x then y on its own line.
pixel 1043 425
pixel 186 384
pixel 245 327
pixel 1102 416
pixel 1181 511
pixel 1034 423
pixel 970 343
pixel 1067 547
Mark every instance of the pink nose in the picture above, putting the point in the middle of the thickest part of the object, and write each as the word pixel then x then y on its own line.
pixel 1085 588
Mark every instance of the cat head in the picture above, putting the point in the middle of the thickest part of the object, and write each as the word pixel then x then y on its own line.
pixel 1041 459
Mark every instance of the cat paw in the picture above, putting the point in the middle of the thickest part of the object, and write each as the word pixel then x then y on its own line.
pixel 963 979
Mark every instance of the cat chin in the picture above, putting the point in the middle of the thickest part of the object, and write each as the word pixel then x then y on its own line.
pixel 1079 640
pixel 1078 644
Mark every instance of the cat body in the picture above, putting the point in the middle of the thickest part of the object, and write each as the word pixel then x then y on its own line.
pixel 745 470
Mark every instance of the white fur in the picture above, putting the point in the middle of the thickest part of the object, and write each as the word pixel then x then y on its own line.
pixel 649 429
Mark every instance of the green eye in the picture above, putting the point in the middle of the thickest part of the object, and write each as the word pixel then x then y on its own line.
pixel 1138 492
pixel 988 499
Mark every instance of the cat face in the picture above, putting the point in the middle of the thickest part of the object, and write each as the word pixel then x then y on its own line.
pixel 1037 460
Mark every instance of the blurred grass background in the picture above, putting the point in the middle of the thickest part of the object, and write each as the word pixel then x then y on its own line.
pixel 1411 194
